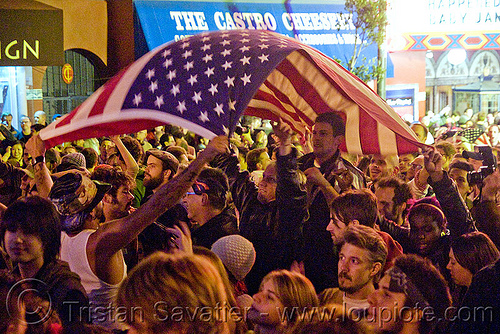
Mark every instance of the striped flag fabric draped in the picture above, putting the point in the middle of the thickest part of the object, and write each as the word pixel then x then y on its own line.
pixel 207 81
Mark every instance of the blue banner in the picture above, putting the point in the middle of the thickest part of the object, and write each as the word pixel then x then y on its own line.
pixel 312 24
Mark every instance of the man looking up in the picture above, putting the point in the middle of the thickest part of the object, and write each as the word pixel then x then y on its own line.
pixel 328 174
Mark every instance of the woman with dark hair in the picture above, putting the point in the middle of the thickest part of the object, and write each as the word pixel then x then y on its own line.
pixel 470 253
pixel 31 235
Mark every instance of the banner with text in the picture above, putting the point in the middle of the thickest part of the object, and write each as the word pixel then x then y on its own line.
pixel 315 25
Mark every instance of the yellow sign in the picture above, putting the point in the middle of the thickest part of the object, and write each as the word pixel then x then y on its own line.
pixel 67 73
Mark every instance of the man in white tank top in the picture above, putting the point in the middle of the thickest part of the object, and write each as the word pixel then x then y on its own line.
pixel 94 251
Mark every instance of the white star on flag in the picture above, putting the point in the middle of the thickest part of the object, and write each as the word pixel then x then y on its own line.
pixel 203 117
pixel 193 79
pixel 213 89
pixel 263 58
pixel 171 75
pixel 187 54
pixel 226 52
pixel 207 58
pixel 209 71
pixel 229 81
pixel 166 53
pixel 175 90
pixel 246 79
pixel 227 65
pixel 245 60
pixel 197 97
pixel 219 109
pixel 167 62
pixel 159 101
pixel 206 47
pixel 137 99
pixel 189 65
pixel 150 74
pixel 181 107
pixel 154 86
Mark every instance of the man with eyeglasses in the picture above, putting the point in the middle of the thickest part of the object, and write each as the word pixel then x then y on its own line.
pixel 271 215
pixel 25 132
pixel 207 209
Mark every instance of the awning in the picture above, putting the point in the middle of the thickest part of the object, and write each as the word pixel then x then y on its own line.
pixel 31 34
pixel 312 22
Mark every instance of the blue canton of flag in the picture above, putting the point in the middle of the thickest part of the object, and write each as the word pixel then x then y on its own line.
pixel 208 79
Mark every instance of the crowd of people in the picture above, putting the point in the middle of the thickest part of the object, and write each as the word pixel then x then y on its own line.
pixel 267 231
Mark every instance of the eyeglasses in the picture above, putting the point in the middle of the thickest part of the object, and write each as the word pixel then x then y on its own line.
pixel 198 188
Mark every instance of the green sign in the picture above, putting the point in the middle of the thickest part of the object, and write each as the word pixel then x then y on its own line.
pixel 31 37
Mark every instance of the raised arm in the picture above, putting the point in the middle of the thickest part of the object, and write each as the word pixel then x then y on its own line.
pixel 36 148
pixel 128 159
pixel 454 208
pixel 113 236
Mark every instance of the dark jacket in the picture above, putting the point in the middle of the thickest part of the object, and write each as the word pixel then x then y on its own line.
pixel 480 309
pixel 67 295
pixel 225 223
pixel 275 228
pixel 459 221
pixel 11 176
pixel 320 258
pixel 155 237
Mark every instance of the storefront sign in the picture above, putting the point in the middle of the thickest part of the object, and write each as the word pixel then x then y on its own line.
pixel 443 24
pixel 313 24
pixel 67 73
pixel 31 37
pixel 402 99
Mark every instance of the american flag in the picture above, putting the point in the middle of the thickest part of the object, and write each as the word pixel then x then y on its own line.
pixel 207 81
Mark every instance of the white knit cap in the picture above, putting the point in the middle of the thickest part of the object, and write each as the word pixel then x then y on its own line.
pixel 237 254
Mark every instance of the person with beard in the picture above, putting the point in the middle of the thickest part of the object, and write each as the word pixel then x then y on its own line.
pixel 359 207
pixel 362 258
pixel 382 166
pixel 392 196
pixel 328 175
pixel 94 251
pixel 117 203
pixel 272 214
pixel 161 166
